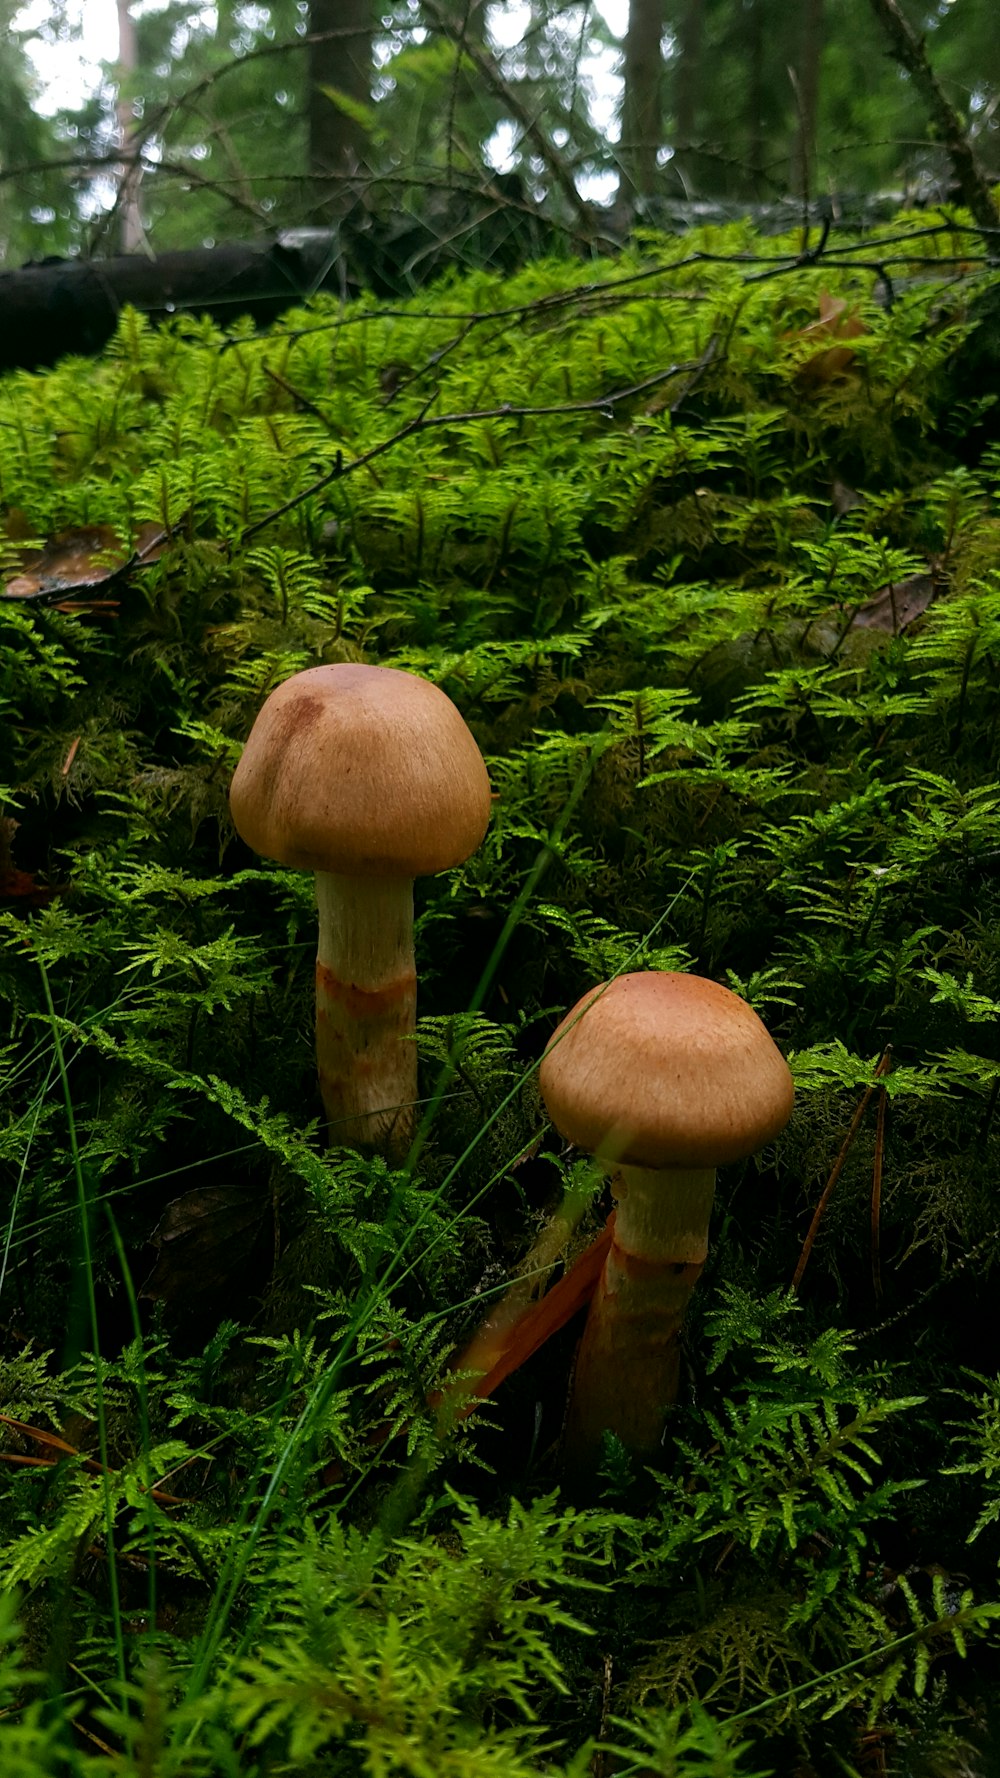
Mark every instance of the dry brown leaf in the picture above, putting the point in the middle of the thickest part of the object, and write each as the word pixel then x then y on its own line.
pixel 835 318
pixel 837 322
pixel 896 605
pixel 202 1238
pixel 82 557
pixel 15 525
pixel 824 367
pixel 16 885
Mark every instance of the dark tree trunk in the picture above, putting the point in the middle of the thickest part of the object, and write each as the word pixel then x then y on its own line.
pixel 687 84
pixel 642 133
pixel 807 95
pixel 340 60
pixel 755 95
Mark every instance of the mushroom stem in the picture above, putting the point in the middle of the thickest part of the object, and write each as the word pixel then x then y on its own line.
pixel 366 1010
pixel 628 1366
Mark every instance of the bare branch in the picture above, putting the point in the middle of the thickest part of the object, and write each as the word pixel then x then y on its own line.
pixel 529 125
pixel 424 420
pixel 909 51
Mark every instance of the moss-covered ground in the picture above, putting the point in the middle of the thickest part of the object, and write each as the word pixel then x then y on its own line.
pixel 705 545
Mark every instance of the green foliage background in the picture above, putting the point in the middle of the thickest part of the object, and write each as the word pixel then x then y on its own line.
pixel 635 555
pixel 220 99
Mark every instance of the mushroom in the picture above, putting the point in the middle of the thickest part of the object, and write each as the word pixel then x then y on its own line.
pixel 369 777
pixel 663 1077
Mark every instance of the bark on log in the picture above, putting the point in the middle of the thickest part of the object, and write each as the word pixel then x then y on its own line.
pixel 71 306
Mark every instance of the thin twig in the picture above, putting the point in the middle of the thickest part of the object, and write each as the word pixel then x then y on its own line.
pixel 297 396
pixel 487 67
pixel 424 420
pixel 707 358
pixel 910 52
pixel 970 1258
pixel 542 306
pixel 883 1067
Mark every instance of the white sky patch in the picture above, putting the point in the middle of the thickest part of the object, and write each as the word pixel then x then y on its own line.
pixel 598 71
pixel 508 23
pixel 498 152
pixel 67 60
pixel 615 15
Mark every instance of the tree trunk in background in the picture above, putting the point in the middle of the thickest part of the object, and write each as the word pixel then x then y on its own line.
pixel 807 94
pixel 687 82
pixel 341 61
pixel 642 133
pixel 755 95
pixel 130 230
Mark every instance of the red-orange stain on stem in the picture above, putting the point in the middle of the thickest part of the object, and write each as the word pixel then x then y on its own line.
pixel 362 1003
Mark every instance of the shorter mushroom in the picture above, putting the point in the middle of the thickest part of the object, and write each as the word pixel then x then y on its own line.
pixel 369 777
pixel 663 1077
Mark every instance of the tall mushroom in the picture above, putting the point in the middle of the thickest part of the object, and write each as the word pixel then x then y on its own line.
pixel 369 777
pixel 663 1077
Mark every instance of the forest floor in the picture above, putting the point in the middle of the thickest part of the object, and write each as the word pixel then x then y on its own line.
pixel 704 543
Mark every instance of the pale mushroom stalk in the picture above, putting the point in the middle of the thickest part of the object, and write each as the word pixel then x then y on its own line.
pixel 366 1010
pixel 628 1364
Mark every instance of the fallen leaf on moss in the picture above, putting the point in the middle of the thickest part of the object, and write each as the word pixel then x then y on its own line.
pixel 15 525
pixel 20 886
pixel 840 323
pixel 202 1238
pixel 835 317
pixel 896 605
pixel 83 557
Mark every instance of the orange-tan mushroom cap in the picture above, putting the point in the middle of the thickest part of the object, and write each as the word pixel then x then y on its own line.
pixel 665 1070
pixel 363 771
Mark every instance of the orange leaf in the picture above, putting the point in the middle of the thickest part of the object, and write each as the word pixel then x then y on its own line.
pixel 541 1321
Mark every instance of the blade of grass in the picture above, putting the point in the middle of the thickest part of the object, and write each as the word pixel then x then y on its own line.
pixel 84 1208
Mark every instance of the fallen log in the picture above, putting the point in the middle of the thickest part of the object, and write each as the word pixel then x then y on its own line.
pixel 70 306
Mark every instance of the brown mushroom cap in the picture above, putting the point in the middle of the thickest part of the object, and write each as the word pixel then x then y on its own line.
pixel 365 771
pixel 665 1070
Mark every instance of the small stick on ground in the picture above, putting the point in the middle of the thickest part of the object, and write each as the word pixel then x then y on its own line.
pixel 883 1067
